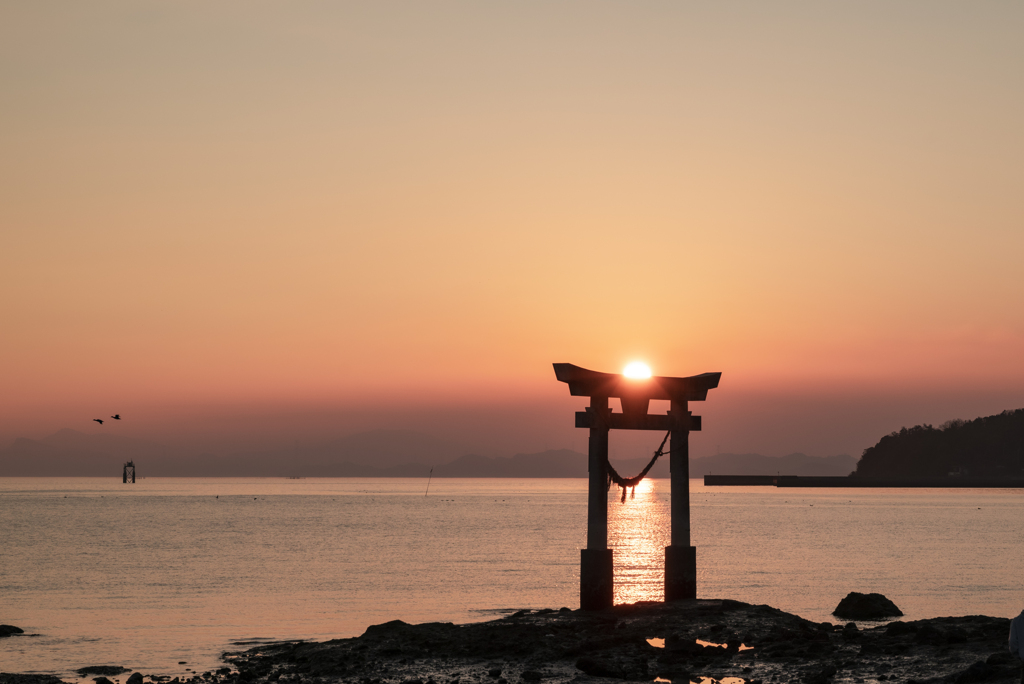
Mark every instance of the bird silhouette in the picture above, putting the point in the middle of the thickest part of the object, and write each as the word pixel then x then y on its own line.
pixel 98 421
pixel 116 416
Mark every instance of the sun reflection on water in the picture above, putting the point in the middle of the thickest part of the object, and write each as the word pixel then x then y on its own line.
pixel 639 531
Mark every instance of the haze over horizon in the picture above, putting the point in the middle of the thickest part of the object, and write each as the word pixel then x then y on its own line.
pixel 253 225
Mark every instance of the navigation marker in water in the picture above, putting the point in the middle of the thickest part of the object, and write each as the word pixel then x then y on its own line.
pixel 635 393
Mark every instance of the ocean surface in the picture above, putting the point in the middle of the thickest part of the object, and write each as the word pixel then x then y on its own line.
pixel 164 575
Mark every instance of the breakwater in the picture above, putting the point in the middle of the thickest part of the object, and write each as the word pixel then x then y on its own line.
pixel 861 482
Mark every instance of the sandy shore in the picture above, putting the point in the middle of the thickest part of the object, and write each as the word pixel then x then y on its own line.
pixel 679 642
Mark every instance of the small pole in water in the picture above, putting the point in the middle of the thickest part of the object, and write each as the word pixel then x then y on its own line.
pixel 428 480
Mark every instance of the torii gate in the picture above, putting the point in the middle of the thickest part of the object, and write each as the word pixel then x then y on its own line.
pixel 596 574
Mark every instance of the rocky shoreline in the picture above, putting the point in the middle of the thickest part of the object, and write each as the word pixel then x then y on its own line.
pixel 644 642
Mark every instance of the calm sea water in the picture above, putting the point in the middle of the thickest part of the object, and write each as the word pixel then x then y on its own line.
pixel 169 570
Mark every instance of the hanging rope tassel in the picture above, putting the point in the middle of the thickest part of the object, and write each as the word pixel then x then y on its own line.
pixel 632 482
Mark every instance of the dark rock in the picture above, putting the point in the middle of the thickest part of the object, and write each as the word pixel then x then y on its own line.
pixel 975 673
pixel 7 678
pixel 822 676
pixel 102 680
pixel 857 606
pixel 101 670
pixel 1001 658
pixel 786 648
pixel 940 636
pixel 386 629
pixel 929 634
pixel 8 630
pixel 531 676
pixel 565 609
pixel 955 635
pixel 596 667
pixel 136 678
pixel 899 628
pixel 520 613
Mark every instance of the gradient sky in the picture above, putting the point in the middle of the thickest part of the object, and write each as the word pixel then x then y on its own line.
pixel 268 222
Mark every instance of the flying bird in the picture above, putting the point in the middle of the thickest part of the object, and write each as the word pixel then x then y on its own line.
pixel 98 421
pixel 116 416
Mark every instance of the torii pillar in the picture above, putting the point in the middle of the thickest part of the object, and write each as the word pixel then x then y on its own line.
pixel 596 574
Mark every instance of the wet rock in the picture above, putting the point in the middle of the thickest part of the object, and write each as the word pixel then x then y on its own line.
pixel 597 667
pixel 102 680
pixel 896 629
pixel 956 635
pixel 933 635
pixel 531 676
pixel 565 645
pixel 821 676
pixel 929 634
pixel 8 630
pixel 1002 659
pixel 136 678
pixel 857 606
pixel 977 672
pixel 101 670
pixel 7 678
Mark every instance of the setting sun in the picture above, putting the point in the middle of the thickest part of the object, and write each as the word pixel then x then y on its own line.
pixel 637 370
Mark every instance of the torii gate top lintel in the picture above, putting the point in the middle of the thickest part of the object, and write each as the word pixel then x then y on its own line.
pixel 587 383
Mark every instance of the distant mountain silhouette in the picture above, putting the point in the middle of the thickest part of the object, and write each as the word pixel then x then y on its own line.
pixel 69 453
pixel 992 446
pixel 383 449
pixel 379 453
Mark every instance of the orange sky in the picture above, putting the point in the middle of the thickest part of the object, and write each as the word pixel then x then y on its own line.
pixel 325 210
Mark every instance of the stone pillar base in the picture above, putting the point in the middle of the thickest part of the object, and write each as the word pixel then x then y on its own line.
pixel 596 581
pixel 680 573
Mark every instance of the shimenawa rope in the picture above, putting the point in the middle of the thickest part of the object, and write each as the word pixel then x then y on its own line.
pixel 632 482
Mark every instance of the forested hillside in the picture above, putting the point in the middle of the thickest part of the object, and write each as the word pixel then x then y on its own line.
pixel 991 447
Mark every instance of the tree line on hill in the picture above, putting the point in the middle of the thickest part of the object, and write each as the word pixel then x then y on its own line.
pixel 992 446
